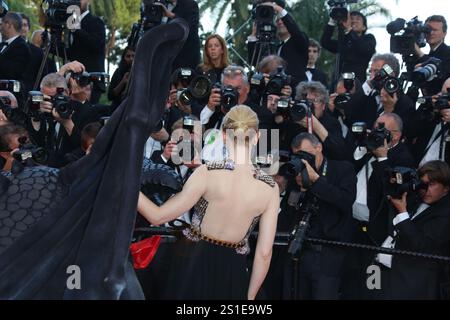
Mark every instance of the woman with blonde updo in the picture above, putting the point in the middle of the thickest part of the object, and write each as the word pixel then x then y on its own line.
pixel 215 57
pixel 229 198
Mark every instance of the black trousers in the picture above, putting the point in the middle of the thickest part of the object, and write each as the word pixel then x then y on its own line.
pixel 314 279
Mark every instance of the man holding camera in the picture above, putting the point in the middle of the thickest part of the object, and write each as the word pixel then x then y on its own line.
pixel 430 128
pixel 418 226
pixel 332 190
pixel 87 45
pixel 235 81
pixel 356 48
pixel 438 49
pixel 325 126
pixel 377 97
pixel 14 52
pixel 293 47
pixel 63 136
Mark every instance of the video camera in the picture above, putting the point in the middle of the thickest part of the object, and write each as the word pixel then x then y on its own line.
pixel 151 13
pixel 28 151
pixel 401 180
pixel 12 86
pixel 405 34
pixel 265 20
pixel 61 103
pixel 14 115
pixel 56 12
pixel 339 9
pixel 384 80
pixel 372 140
pixel 429 71
pixel 3 8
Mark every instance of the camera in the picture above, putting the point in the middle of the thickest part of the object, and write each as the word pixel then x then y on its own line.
pixel 374 139
pixel 189 123
pixel 12 86
pixel 277 82
pixel 384 80
pixel 230 97
pixel 295 167
pixel 429 70
pixel 265 17
pixel 152 14
pixel 61 103
pixel 405 34
pixel 14 115
pixel 3 8
pixel 339 9
pixel 29 151
pixel 342 100
pixel 401 180
pixel 441 102
pixel 295 110
pixel 56 12
pixel 194 87
pixel 85 78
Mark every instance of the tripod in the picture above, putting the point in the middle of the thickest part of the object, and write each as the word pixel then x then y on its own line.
pixel 339 55
pixel 52 40
pixel 298 236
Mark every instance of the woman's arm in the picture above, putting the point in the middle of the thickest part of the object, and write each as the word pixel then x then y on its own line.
pixel 263 252
pixel 192 191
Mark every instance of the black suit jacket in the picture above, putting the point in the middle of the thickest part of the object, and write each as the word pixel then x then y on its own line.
pixel 398 156
pixel 294 51
pixel 365 108
pixel 88 45
pixel 443 53
pixel 319 75
pixel 37 55
pixel 356 52
pixel 14 60
pixel 413 278
pixel 189 55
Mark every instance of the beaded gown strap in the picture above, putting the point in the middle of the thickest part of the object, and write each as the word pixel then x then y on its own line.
pixel 264 177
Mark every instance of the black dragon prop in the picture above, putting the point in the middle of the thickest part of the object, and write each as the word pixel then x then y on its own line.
pixel 92 222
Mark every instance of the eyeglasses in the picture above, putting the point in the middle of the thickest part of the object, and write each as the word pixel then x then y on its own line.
pixel 316 100
pixel 233 70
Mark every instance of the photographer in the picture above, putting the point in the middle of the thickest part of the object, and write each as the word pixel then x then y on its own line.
pixel 420 227
pixel 293 47
pixel 235 79
pixel 430 129
pixel 14 52
pixel 68 137
pixel 9 141
pixel 215 58
pixel 374 100
pixel 13 103
pixel 87 45
pixel 438 49
pixel 189 55
pixel 325 126
pixel 357 47
pixel 119 80
pixel 333 185
pixel 386 150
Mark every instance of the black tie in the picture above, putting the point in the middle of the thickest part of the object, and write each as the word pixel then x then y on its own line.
pixel 310 70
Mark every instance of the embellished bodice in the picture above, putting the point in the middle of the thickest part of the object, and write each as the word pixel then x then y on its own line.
pixel 194 233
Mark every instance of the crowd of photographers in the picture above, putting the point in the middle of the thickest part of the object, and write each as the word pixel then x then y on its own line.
pixel 363 160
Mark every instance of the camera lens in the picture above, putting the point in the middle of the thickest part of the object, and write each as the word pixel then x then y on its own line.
pixel 392 85
pixel 200 87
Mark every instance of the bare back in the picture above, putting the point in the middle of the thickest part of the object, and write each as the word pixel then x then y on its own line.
pixel 235 198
